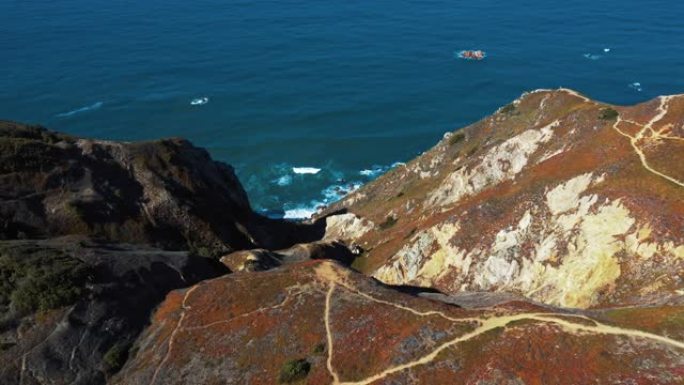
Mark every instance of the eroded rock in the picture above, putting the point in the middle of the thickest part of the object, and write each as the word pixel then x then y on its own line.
pixel 547 199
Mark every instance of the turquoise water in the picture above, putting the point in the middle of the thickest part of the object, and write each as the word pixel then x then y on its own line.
pixel 345 87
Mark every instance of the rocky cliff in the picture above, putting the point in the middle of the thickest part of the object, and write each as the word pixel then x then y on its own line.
pixel 164 193
pixel 94 234
pixel 71 308
pixel 559 198
pixel 541 245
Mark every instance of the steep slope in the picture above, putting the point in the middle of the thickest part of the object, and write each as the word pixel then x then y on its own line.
pixel 556 197
pixel 70 308
pixel 165 193
pixel 320 323
pixel 94 234
pixel 541 245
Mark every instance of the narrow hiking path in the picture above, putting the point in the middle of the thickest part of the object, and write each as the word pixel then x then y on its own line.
pixel 648 133
pixel 486 324
pixel 332 282
pixel 172 338
pixel 328 332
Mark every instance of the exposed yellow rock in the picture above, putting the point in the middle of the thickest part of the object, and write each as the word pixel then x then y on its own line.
pixel 568 213
pixel 346 227
pixel 565 196
pixel 595 229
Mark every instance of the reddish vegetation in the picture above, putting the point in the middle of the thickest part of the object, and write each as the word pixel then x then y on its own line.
pixel 582 143
pixel 234 332
pixel 245 327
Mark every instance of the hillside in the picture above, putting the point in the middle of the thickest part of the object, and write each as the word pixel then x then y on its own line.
pixel 559 198
pixel 543 244
pixel 342 328
pixel 94 234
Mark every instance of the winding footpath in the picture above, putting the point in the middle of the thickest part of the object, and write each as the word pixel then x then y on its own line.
pixel 331 281
pixel 485 325
pixel 647 132
pixel 172 338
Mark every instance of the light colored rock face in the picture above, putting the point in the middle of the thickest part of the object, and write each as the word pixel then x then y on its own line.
pixel 563 253
pixel 346 227
pixel 500 163
pixel 543 199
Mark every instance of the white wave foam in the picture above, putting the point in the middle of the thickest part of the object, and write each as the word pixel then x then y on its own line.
pixel 606 50
pixel 199 101
pixel 299 213
pixel 377 170
pixel 284 180
pixel 373 171
pixel 306 170
pixel 93 106
pixel 330 194
pixel 635 86
pixel 337 191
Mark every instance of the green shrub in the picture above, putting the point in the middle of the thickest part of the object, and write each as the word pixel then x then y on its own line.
pixel 116 357
pixel 472 150
pixel 456 138
pixel 6 346
pixel 202 251
pixel 508 108
pixel 39 279
pixel 608 114
pixel 389 222
pixel 44 292
pixel 319 348
pixel 294 370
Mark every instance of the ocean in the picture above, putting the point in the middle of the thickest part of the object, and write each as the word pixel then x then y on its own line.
pixel 310 99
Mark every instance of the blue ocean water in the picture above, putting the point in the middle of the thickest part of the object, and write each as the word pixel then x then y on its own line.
pixel 347 87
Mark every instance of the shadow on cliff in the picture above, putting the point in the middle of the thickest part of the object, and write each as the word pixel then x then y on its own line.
pixel 278 234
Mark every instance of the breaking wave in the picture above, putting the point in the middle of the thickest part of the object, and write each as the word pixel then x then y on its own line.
pixel 91 107
pixel 199 101
pixel 300 213
pixel 306 170
pixel 299 192
pixel 284 180
pixel 330 194
pixel 377 170
pixel 592 56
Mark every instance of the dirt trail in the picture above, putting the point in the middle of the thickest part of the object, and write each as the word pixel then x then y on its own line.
pixel 574 93
pixel 289 297
pixel 175 331
pixel 485 325
pixel 648 133
pixel 496 322
pixel 328 332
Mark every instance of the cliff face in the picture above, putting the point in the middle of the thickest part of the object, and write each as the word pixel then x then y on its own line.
pixel 541 245
pixel 166 193
pixel 94 234
pixel 554 200
pixel 562 199
pixel 71 308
